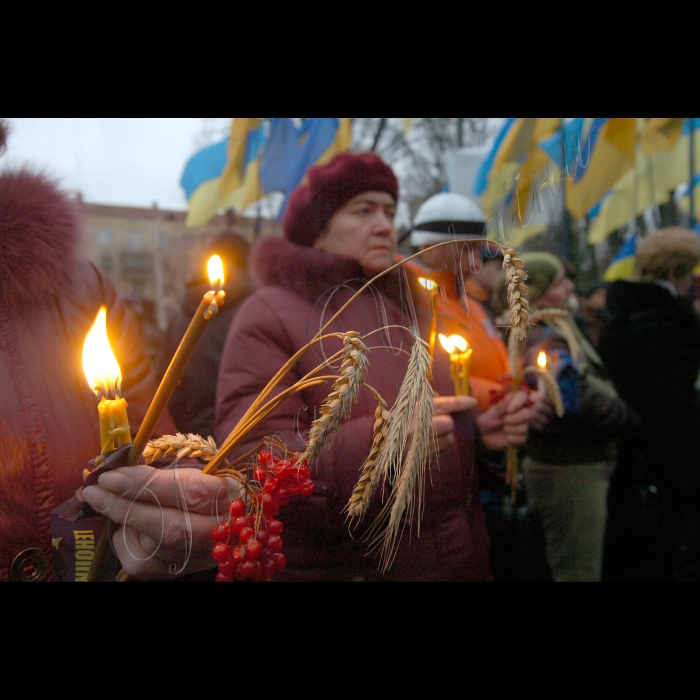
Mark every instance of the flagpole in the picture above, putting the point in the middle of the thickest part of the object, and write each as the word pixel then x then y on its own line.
pixel 565 217
pixel 692 171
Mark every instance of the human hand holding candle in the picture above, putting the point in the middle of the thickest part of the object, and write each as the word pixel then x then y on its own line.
pixel 103 374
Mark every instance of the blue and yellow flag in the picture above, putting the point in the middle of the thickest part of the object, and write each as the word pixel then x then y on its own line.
pixel 609 149
pixel 514 163
pixel 650 182
pixel 241 178
pixel 258 160
pixel 201 179
pixel 622 265
pixel 291 150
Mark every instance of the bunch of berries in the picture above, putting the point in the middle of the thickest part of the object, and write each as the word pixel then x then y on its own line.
pixel 249 543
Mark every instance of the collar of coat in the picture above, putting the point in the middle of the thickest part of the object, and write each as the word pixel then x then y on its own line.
pixel 39 237
pixel 310 273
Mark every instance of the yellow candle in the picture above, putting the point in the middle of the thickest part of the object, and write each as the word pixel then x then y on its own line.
pixel 433 291
pixel 208 308
pixel 456 346
pixel 104 377
pixel 465 360
pixel 542 364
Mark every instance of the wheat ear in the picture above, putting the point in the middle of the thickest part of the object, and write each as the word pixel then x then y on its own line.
pixel 517 290
pixel 367 484
pixel 338 404
pixel 414 405
pixel 189 445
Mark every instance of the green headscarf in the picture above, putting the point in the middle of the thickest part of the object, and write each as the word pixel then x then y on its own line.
pixel 542 269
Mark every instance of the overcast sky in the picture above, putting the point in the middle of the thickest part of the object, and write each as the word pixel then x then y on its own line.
pixel 125 161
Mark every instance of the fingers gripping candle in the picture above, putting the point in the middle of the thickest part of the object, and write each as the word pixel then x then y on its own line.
pixel 104 377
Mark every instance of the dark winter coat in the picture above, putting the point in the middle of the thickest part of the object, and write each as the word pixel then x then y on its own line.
pixel 271 325
pixel 595 417
pixel 650 342
pixel 49 299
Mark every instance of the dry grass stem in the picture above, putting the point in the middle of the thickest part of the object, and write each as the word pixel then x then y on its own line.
pixel 189 445
pixel 517 290
pixel 338 404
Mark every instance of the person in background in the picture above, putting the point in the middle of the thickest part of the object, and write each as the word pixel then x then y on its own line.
pixel 144 311
pixel 192 404
pixel 49 429
pixel 650 342
pixel 591 302
pixel 452 216
pixel 567 465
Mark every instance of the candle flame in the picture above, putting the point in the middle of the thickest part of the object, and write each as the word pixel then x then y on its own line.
pixel 215 270
pixel 453 343
pixel 542 360
pixel 101 368
pixel 428 284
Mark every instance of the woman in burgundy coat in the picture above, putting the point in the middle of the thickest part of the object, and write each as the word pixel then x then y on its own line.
pixel 339 230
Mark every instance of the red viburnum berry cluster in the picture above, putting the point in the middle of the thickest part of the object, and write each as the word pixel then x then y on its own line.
pixel 249 543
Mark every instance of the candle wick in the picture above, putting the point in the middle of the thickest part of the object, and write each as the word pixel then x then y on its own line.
pixel 118 388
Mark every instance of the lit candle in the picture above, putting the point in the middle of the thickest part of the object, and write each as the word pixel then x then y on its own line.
pixel 542 364
pixel 208 308
pixel 460 359
pixel 104 377
pixel 432 288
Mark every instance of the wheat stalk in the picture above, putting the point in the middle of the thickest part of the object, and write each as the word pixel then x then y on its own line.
pixel 547 315
pixel 367 484
pixel 517 289
pixel 338 404
pixel 189 445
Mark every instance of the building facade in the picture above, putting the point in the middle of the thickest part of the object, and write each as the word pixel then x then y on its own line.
pixel 150 255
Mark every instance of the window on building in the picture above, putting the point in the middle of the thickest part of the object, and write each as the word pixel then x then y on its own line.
pixel 105 237
pixel 134 240
pixel 162 240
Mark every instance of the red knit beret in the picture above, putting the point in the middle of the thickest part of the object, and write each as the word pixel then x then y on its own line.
pixel 329 187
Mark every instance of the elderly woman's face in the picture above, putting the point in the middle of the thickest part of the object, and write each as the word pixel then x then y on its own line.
pixel 364 229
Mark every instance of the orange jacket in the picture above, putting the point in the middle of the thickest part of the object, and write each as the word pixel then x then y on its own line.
pixel 489 360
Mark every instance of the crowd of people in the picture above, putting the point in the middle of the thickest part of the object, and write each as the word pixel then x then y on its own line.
pixel 607 471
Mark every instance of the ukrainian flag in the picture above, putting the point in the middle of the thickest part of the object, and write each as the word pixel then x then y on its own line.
pixel 257 160
pixel 622 265
pixel 515 150
pixel 201 179
pixel 651 181
pixel 290 150
pixel 609 149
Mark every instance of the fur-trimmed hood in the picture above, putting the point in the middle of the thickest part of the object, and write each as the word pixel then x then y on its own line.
pixel 39 237
pixel 310 273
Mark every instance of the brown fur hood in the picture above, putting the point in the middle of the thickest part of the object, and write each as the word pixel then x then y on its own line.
pixel 39 236
pixel 309 272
